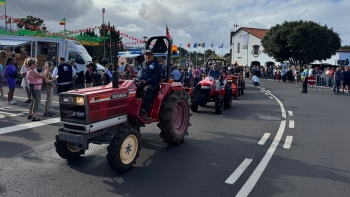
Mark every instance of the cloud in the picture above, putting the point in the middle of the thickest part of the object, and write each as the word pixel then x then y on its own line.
pixel 195 21
pixel 130 28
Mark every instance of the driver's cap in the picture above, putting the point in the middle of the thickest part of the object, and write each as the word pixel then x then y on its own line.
pixel 149 51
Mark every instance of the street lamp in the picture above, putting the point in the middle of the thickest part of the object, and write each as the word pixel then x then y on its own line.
pixel 145 39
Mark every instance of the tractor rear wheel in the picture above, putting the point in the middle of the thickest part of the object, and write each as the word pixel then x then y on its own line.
pixel 218 105
pixel 67 150
pixel 124 148
pixel 174 117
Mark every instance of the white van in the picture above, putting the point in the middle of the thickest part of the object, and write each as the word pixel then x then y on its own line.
pixel 45 49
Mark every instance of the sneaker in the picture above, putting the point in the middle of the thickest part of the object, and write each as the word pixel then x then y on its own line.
pixel 52 113
pixel 28 101
pixel 47 114
pixel 14 101
pixel 11 103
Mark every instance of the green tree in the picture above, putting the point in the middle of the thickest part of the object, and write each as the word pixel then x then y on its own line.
pixel 227 55
pixel 300 42
pixel 31 21
pixel 345 47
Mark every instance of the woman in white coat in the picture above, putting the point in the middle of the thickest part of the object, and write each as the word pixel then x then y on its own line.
pixel 24 83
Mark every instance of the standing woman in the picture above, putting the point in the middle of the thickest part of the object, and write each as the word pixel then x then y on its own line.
pixel 35 80
pixel 11 77
pixel 75 77
pixel 24 83
pixel 50 82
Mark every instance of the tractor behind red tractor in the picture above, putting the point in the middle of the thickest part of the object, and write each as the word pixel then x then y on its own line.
pixel 110 115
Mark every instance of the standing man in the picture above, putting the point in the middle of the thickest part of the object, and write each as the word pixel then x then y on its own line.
pixel 304 78
pixel 94 71
pixel 150 75
pixel 338 77
pixel 64 73
pixel 346 78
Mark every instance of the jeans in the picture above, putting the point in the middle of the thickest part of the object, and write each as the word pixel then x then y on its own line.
pixel 336 85
pixel 284 78
pixel 148 92
pixel 263 75
pixel 196 80
pixel 63 88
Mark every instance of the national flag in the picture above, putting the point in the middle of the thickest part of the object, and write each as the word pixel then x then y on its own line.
pixel 221 46
pixel 2 2
pixel 212 45
pixel 63 22
pixel 103 10
pixel 201 45
pixel 195 45
pixel 168 34
pixel 8 21
pixel 189 45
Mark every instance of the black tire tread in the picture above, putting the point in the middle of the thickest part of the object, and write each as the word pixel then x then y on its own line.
pixel 63 151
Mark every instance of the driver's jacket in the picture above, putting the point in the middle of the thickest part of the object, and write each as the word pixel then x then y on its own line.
pixel 151 73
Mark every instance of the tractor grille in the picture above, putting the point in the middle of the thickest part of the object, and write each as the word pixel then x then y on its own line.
pixel 73 113
pixel 205 91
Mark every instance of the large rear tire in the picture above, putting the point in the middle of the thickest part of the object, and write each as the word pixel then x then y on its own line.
pixel 124 148
pixel 174 117
pixel 67 150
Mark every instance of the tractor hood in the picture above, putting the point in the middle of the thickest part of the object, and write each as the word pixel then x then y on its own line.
pixel 208 81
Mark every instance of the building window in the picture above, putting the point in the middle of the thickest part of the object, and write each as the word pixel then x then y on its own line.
pixel 238 47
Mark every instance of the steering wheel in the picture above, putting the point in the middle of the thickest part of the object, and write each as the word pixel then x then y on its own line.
pixel 138 81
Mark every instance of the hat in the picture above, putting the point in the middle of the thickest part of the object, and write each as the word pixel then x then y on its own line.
pixel 149 51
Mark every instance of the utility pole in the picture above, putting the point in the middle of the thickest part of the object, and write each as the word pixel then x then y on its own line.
pixel 103 31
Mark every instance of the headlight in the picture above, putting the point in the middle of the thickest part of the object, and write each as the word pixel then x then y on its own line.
pixel 66 99
pixel 206 87
pixel 79 100
pixel 229 80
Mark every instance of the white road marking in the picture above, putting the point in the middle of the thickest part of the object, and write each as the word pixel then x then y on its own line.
pixel 290 113
pixel 27 98
pixel 238 172
pixel 30 125
pixel 271 97
pixel 291 124
pixel 288 142
pixel 264 138
pixel 262 90
pixel 266 93
pixel 253 179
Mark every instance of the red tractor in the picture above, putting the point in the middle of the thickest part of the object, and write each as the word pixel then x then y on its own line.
pixel 213 90
pixel 110 115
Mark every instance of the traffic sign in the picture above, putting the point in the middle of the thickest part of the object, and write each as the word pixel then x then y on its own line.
pixel 311 81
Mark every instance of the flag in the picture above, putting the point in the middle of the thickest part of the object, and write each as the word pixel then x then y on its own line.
pixel 8 21
pixel 168 34
pixel 221 46
pixel 212 45
pixel 189 45
pixel 201 45
pixel 103 10
pixel 245 45
pixel 195 45
pixel 109 32
pixel 63 22
pixel 2 2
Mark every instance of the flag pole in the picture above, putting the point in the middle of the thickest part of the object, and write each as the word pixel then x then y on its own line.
pixel 104 41
pixel 222 50
pixel 5 17
pixel 64 30
pixel 110 44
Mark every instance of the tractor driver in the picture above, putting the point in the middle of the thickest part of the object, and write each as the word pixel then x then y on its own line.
pixel 150 75
pixel 215 73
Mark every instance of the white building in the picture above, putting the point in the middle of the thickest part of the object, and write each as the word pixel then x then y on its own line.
pixel 246 49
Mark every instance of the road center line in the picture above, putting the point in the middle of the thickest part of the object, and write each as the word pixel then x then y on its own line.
pixel 291 124
pixel 30 125
pixel 238 172
pixel 264 138
pixel 290 113
pixel 288 142
pixel 253 179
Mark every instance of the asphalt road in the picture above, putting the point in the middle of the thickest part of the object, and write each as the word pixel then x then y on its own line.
pixel 224 155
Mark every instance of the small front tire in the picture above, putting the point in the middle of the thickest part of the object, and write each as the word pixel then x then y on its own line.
pixel 67 150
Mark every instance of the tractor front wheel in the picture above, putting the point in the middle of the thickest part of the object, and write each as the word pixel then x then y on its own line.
pixel 67 150
pixel 174 117
pixel 124 148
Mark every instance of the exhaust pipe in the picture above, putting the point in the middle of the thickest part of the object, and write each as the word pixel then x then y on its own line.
pixel 115 75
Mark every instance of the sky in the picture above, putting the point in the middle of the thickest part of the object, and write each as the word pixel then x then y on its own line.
pixel 195 21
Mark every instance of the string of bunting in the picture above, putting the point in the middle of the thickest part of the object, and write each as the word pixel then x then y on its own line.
pixel 71 34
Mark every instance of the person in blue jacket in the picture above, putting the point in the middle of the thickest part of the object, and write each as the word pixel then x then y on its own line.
pixel 150 75
pixel 215 73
